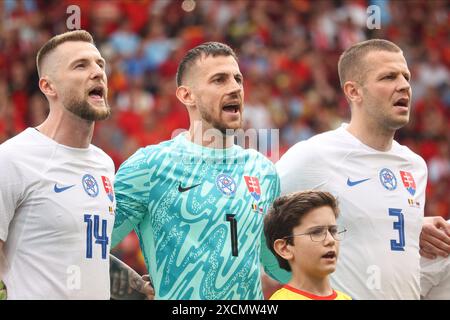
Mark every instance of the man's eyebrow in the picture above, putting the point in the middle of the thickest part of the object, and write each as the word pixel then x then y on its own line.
pixel 395 72
pixel 321 227
pixel 87 60
pixel 225 74
pixel 219 74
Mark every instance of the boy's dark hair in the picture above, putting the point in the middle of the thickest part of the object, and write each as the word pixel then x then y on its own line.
pixel 206 49
pixel 286 213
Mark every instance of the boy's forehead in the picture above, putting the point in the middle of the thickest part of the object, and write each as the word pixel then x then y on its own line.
pixel 318 216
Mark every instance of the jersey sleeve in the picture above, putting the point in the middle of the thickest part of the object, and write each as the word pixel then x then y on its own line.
pixel 132 193
pixel 268 260
pixel 430 274
pixel 301 168
pixel 11 189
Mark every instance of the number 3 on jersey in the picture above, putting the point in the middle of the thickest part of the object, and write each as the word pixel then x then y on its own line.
pixel 101 239
pixel 400 226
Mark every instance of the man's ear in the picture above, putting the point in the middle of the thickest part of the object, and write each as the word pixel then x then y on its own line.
pixel 353 92
pixel 46 86
pixel 185 95
pixel 281 247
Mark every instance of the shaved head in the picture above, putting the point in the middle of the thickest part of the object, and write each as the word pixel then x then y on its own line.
pixel 44 54
pixel 352 65
pixel 201 52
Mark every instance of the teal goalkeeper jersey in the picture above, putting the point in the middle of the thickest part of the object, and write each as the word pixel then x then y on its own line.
pixel 198 213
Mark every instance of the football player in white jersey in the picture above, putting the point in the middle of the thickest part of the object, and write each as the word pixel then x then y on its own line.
pixel 56 196
pixel 435 278
pixel 379 183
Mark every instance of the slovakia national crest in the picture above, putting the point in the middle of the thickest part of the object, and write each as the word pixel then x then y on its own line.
pixel 387 179
pixel 108 188
pixel 90 185
pixel 226 184
pixel 253 186
pixel 408 182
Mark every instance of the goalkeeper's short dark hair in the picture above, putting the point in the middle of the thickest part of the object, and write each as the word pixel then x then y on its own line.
pixel 204 50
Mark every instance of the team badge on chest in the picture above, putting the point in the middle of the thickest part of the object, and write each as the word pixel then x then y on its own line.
pixel 388 179
pixel 226 184
pixel 408 182
pixel 90 185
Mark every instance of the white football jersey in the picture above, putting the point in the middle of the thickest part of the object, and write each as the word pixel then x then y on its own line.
pixel 435 278
pixel 381 199
pixel 56 217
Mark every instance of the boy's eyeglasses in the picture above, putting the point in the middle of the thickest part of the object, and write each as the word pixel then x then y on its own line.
pixel 318 234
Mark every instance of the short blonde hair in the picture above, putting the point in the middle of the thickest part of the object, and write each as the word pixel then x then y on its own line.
pixel 50 45
pixel 351 64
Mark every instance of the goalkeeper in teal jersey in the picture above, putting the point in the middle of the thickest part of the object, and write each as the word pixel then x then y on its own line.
pixel 197 202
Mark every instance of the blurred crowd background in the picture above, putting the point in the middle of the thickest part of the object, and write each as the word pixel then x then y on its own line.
pixel 288 53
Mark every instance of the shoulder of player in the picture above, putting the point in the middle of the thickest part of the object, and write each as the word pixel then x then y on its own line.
pixel 146 157
pixel 312 150
pixel 16 143
pixel 15 148
pixel 255 155
pixel 406 152
pixel 96 149
pixel 100 153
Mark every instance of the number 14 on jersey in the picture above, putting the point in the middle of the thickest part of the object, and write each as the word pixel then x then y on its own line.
pixel 100 238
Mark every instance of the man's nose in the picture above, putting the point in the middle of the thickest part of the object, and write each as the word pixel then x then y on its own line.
pixel 404 85
pixel 235 87
pixel 97 72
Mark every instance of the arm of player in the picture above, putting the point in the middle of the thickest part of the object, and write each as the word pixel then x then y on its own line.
pixel 11 190
pixel 270 264
pixel 131 191
pixel 2 260
pixel 2 270
pixel 127 284
pixel 268 260
pixel 435 238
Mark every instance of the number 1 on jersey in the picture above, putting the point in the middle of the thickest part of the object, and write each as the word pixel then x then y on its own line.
pixel 234 239
pixel 400 226
pixel 101 239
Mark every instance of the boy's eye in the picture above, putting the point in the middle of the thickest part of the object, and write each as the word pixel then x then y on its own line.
pixel 333 230
pixel 318 231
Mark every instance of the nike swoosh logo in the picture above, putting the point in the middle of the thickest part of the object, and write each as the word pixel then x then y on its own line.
pixel 354 183
pixel 181 189
pixel 58 190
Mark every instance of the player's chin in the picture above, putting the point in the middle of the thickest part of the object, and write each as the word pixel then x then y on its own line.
pixel 399 122
pixel 232 126
pixel 99 112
